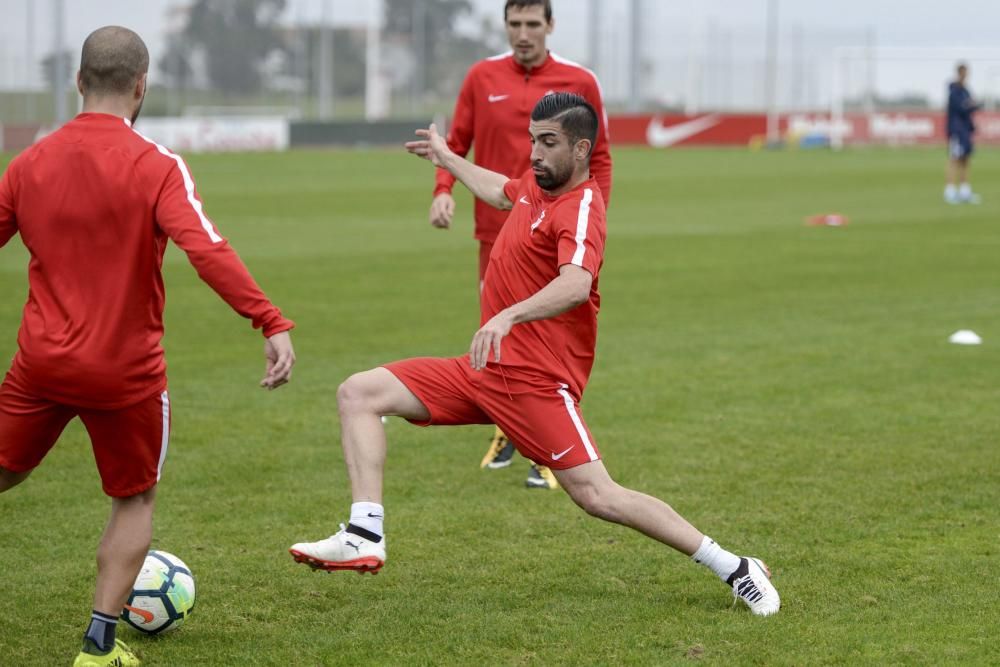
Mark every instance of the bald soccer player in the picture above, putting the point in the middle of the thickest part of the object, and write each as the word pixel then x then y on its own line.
pixel 95 203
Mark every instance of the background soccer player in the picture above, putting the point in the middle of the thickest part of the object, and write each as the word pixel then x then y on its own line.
pixel 95 203
pixel 491 113
pixel 960 131
pixel 528 364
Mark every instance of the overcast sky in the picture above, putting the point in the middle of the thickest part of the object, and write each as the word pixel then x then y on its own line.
pixel 725 36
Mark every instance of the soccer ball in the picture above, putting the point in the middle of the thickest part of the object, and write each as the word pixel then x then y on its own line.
pixel 163 594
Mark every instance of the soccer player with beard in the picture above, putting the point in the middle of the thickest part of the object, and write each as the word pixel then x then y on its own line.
pixel 95 203
pixel 491 112
pixel 527 365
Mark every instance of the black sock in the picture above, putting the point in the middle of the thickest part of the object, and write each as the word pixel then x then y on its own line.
pixel 100 636
pixel 742 571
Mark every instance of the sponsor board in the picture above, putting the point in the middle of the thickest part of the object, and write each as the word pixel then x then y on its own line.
pixel 894 128
pixel 217 134
pixel 667 130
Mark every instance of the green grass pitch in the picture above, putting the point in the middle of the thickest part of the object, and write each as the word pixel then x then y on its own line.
pixel 789 389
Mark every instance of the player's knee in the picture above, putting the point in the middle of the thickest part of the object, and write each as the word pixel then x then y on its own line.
pixel 595 500
pixel 354 394
pixel 137 507
pixel 145 498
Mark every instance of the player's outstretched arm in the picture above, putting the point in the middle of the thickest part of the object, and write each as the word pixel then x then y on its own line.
pixel 565 292
pixel 180 215
pixel 280 356
pixel 484 184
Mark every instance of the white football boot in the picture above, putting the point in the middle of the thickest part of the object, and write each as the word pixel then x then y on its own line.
pixel 343 551
pixel 755 588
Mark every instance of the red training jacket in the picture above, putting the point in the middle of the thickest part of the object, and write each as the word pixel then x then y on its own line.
pixel 493 111
pixel 95 203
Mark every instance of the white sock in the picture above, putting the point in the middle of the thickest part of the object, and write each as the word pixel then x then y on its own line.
pixel 715 558
pixel 368 516
pixel 964 191
pixel 950 192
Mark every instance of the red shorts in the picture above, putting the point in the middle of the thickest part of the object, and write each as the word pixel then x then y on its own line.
pixel 541 417
pixel 129 444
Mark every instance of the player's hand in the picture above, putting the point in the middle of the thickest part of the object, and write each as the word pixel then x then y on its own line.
pixel 487 340
pixel 442 211
pixel 280 358
pixel 432 147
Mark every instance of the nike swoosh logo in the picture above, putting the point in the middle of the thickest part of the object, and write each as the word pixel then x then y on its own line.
pixel 374 516
pixel 524 200
pixel 497 98
pixel 660 136
pixel 556 457
pixel 147 616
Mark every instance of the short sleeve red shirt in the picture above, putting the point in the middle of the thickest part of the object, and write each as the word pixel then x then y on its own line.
pixel 542 234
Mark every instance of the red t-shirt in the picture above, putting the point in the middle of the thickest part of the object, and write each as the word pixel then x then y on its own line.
pixel 542 233
pixel 95 203
pixel 493 111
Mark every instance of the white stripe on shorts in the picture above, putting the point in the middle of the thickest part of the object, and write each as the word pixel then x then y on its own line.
pixel 165 438
pixel 581 431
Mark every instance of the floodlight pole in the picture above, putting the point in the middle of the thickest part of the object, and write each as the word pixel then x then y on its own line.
pixel 299 56
pixel 375 102
pixel 837 99
pixel 29 59
pixel 59 62
pixel 870 74
pixel 771 75
pixel 635 57
pixel 324 88
pixel 419 19
pixel 595 35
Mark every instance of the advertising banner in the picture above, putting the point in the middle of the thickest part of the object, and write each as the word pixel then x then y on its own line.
pixel 721 129
pixel 217 134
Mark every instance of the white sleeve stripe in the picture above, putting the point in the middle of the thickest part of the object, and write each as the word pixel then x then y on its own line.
pixel 582 219
pixel 189 187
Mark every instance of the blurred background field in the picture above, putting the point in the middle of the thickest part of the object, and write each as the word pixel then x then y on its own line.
pixel 789 388
pixel 331 60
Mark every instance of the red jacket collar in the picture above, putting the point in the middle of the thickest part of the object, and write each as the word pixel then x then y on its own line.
pixel 538 69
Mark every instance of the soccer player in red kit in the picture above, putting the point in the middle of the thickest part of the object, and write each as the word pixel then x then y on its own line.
pixel 95 203
pixel 491 112
pixel 528 364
